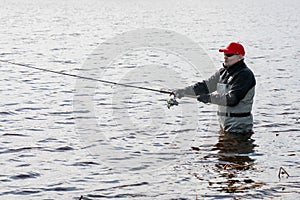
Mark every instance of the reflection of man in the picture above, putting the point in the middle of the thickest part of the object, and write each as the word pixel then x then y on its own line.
pixel 234 155
pixel 231 88
pixel 235 149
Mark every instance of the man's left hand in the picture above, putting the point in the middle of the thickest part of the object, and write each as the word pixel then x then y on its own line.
pixel 205 98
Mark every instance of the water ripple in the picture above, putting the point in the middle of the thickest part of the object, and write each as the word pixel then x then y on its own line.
pixel 25 175
pixel 43 155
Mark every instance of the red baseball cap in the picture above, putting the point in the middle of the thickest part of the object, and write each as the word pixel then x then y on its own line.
pixel 234 48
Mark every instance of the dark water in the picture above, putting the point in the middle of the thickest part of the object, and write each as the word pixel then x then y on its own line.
pixel 143 150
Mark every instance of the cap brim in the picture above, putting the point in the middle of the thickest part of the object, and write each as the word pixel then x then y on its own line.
pixel 226 51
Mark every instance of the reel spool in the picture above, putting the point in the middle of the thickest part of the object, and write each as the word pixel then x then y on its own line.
pixel 172 102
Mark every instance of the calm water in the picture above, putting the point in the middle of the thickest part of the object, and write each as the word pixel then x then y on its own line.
pixel 142 150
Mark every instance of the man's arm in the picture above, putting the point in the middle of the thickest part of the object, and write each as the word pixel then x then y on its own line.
pixel 207 86
pixel 204 87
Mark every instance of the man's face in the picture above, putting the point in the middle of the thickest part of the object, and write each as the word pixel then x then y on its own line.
pixel 231 59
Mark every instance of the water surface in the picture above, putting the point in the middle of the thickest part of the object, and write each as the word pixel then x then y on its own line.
pixel 43 155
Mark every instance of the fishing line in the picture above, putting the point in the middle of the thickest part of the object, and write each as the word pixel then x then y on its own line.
pixel 88 78
pixel 171 102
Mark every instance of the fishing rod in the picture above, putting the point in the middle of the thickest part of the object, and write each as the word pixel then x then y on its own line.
pixel 170 102
pixel 88 78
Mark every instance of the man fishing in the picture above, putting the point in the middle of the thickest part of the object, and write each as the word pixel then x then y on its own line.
pixel 232 88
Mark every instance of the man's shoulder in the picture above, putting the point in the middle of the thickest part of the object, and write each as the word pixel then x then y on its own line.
pixel 246 71
pixel 247 74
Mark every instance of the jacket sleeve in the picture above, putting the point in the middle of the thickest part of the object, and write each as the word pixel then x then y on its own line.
pixel 207 86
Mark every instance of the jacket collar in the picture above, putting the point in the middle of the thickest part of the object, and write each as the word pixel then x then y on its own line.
pixel 231 69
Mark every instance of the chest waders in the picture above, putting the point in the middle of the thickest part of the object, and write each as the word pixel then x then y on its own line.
pixel 236 119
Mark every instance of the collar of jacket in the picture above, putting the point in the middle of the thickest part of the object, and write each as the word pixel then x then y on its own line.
pixel 238 65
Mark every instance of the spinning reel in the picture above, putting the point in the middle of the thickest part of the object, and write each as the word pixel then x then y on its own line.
pixel 172 101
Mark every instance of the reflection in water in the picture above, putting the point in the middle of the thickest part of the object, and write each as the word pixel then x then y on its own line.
pixel 233 154
pixel 232 174
pixel 235 149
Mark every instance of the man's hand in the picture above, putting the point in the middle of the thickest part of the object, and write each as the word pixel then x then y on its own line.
pixel 205 98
